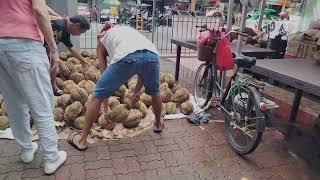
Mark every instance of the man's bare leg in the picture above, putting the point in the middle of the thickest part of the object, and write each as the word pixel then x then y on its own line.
pixel 157 106
pixel 92 114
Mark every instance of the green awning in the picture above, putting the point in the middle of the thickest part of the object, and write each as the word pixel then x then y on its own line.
pixel 110 2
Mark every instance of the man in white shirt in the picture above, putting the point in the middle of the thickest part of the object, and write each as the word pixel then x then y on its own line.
pixel 130 53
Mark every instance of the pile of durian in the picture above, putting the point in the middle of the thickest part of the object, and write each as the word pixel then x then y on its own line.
pixel 78 86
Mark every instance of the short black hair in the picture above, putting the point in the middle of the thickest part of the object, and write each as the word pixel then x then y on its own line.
pixel 81 20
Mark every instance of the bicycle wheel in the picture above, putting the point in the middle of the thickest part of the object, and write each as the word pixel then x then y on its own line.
pixel 203 85
pixel 245 122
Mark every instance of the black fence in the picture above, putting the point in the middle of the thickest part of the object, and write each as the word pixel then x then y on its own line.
pixel 179 27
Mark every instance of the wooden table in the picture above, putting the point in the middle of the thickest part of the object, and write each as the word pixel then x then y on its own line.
pixel 252 51
pixel 301 74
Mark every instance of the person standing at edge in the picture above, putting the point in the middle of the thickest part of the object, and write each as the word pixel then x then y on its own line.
pixel 25 82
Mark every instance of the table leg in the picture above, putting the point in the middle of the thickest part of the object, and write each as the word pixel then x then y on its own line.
pixel 178 63
pixel 294 111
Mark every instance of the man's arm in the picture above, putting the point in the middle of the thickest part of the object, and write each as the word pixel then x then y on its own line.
pixel 102 57
pixel 52 12
pixel 41 14
pixel 77 55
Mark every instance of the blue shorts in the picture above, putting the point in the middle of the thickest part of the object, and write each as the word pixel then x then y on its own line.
pixel 143 63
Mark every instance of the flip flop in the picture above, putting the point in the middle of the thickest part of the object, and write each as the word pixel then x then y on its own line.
pixel 71 142
pixel 159 130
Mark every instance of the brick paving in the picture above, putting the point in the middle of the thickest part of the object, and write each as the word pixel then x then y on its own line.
pixel 182 151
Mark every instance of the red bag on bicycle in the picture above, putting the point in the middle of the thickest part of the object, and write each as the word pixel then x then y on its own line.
pixel 224 58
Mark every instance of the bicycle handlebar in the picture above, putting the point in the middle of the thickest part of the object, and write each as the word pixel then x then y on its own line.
pixel 238 33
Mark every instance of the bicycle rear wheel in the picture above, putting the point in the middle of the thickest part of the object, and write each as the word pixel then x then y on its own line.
pixel 203 84
pixel 245 122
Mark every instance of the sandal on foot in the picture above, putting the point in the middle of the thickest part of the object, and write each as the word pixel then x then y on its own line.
pixel 158 130
pixel 57 92
pixel 70 140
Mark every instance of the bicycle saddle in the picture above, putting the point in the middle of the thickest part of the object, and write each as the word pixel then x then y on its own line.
pixel 244 61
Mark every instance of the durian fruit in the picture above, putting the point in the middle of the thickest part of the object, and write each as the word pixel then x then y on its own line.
pixel 79 68
pixel 171 108
pixel 133 119
pixel 92 62
pixel 166 94
pixel 97 76
pixel 77 77
pixel 132 81
pixel 93 56
pixel 69 54
pixel 72 112
pixel 175 87
pixel 163 109
pixel 146 99
pixel 82 83
pixel 59 82
pixel 4 107
pixel 128 100
pixel 162 75
pixel 67 82
pixel 2 113
pixel 121 91
pixel 105 123
pixel 89 86
pixel 164 85
pixel 133 86
pixel 113 102
pixel 67 89
pixel 63 56
pixel 4 122
pixel 168 78
pixel 90 74
pixel 186 108
pixel 58 114
pixel 85 54
pixel 143 109
pixel 119 113
pixel 181 95
pixel 79 122
pixel 73 60
pixel 71 67
pixel 96 64
pixel 79 94
pixel 63 100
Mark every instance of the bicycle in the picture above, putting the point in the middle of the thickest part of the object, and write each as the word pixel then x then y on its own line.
pixel 246 112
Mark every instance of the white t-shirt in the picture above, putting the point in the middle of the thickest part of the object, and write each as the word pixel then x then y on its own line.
pixel 121 41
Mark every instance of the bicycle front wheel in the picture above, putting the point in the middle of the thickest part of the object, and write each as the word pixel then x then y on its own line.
pixel 203 84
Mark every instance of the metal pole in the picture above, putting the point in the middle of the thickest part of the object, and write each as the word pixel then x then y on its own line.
pixel 230 12
pixel 242 27
pixel 153 18
pixel 262 7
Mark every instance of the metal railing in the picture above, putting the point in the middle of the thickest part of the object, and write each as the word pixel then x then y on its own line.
pixel 179 27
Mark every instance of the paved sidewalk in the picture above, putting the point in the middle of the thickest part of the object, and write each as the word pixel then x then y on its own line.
pixel 182 151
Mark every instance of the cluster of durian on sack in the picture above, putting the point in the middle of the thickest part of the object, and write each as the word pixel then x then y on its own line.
pixel 77 93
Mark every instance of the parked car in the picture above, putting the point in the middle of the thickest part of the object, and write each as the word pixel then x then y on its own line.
pixel 83 9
